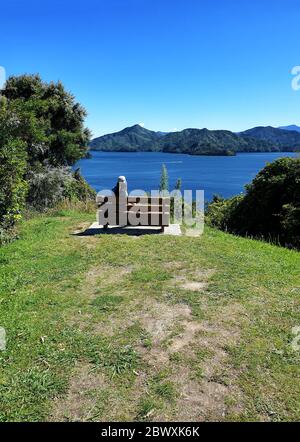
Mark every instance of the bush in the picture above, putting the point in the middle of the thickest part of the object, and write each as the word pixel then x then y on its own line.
pixel 78 189
pixel 290 222
pixel 13 187
pixel 49 186
pixel 218 212
pixel 269 209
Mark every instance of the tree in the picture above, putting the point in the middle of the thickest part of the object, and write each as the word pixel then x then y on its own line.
pixel 178 184
pixel 13 156
pixel 42 134
pixel 52 121
pixel 164 180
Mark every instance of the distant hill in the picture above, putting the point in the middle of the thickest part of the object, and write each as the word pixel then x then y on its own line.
pixel 287 140
pixel 203 142
pixel 291 127
pixel 198 141
pixel 130 139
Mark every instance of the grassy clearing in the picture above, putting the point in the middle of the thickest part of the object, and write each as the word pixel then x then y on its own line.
pixel 155 327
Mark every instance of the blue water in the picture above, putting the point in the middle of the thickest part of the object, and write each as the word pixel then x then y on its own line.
pixel 223 175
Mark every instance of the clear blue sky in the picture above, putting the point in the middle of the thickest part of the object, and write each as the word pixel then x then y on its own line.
pixel 222 64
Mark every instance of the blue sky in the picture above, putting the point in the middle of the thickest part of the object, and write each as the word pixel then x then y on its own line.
pixel 223 64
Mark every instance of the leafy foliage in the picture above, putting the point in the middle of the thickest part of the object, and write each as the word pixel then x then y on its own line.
pixel 52 121
pixel 164 179
pixel 51 185
pixel 13 187
pixel 269 209
pixel 77 189
pixel 41 134
pixel 46 187
pixel 178 184
pixel 219 211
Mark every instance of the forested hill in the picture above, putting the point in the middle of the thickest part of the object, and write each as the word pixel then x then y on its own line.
pixel 134 139
pixel 284 139
pixel 199 141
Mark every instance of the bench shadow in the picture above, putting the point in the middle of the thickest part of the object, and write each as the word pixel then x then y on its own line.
pixel 130 231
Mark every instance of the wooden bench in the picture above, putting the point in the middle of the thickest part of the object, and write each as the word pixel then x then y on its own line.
pixel 133 211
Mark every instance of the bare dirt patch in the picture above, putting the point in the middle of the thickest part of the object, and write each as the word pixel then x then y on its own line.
pixel 206 398
pixel 186 337
pixel 198 400
pixel 79 402
pixel 175 265
pixel 194 286
pixel 196 281
pixel 102 276
pixel 159 317
pixel 159 320
pixel 175 331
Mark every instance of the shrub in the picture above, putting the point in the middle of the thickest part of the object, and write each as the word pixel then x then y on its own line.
pixel 47 186
pixel 78 189
pixel 269 209
pixel 290 222
pixel 50 185
pixel 13 186
pixel 219 211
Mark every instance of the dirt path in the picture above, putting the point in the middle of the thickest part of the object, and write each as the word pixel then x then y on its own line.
pixel 183 371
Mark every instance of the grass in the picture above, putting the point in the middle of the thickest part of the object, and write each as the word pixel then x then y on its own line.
pixel 116 304
pixel 107 303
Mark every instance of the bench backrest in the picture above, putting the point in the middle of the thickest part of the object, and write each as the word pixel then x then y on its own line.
pixel 134 210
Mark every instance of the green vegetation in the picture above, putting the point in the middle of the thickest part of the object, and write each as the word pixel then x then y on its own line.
pixel 157 327
pixel 107 303
pixel 270 209
pixel 199 141
pixel 164 179
pixel 285 140
pixel 178 184
pixel 42 134
pixel 13 186
pixel 51 122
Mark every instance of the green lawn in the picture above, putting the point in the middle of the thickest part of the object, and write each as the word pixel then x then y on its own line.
pixel 149 328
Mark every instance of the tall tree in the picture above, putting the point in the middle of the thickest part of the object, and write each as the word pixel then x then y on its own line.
pixel 178 184
pixel 52 121
pixel 164 179
pixel 42 133
pixel 13 158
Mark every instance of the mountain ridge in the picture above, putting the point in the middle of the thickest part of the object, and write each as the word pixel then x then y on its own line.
pixel 195 141
pixel 290 127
